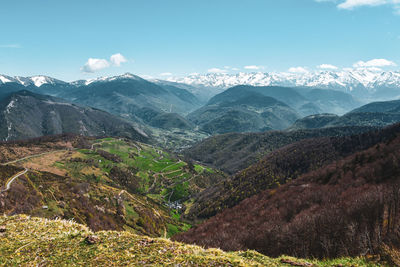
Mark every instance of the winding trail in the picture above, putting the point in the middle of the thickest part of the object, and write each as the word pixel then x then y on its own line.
pixel 12 179
pixel 104 141
pixel 33 156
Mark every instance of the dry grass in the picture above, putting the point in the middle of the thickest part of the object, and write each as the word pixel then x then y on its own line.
pixel 41 242
pixel 46 162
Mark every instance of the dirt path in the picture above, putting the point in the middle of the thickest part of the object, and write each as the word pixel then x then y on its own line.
pixel 33 156
pixel 102 142
pixel 176 163
pixel 12 179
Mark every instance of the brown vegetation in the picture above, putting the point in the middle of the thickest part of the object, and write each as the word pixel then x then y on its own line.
pixel 236 151
pixel 12 150
pixel 350 207
pixel 284 165
pixel 99 206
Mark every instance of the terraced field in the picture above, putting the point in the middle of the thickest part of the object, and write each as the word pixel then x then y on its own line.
pixel 138 168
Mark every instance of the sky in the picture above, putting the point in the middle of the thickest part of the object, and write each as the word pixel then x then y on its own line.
pixel 76 39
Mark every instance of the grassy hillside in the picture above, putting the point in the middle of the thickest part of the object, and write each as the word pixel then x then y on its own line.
pixel 347 208
pixel 34 241
pixel 104 183
pixel 17 149
pixel 141 168
pixel 98 205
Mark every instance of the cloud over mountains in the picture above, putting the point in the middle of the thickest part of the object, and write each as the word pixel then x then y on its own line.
pixel 95 64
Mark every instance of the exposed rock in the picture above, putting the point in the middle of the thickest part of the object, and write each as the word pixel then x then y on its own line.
pixel 92 239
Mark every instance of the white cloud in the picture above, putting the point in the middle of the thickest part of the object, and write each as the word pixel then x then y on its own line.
pixel 351 4
pixel 147 77
pixel 253 67
pixel 327 67
pixel 216 70
pixel 298 70
pixel 376 69
pixel 348 69
pixel 166 74
pixel 117 59
pixel 231 68
pixel 95 64
pixel 379 62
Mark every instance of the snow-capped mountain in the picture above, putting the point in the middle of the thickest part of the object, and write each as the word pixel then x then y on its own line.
pixel 33 80
pixel 362 83
pixel 125 76
pixel 356 82
pixel 40 80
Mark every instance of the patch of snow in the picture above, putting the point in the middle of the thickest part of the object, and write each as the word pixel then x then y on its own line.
pixel 346 80
pixel 9 127
pixel 39 80
pixel 82 128
pixel 4 79
pixel 10 106
pixel 57 103
pixel 113 78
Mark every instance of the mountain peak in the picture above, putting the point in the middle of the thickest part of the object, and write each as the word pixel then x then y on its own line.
pixel 37 80
pixel 112 78
pixel 345 80
pixel 5 79
pixel 40 80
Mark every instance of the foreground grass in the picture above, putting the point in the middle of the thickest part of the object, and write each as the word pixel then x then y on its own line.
pixel 30 241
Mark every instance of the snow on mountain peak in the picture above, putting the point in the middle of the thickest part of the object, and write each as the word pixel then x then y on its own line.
pixel 113 78
pixel 347 80
pixel 40 80
pixel 5 79
pixel 343 80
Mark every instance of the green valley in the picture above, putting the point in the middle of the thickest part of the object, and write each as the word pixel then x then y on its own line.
pixel 107 184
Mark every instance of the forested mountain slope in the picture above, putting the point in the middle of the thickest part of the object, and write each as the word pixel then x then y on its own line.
pixel 348 207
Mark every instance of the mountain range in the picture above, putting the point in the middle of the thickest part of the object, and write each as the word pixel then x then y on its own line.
pixel 358 82
pixel 179 112
pixel 27 115
pixel 363 83
pixel 129 97
pixel 294 170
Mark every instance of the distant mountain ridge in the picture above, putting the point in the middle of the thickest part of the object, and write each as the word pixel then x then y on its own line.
pixel 25 114
pixel 240 109
pixel 362 83
pixel 126 95
pixel 37 81
pixel 376 114
pixel 359 82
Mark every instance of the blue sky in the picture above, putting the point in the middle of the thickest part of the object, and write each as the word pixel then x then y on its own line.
pixel 179 37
